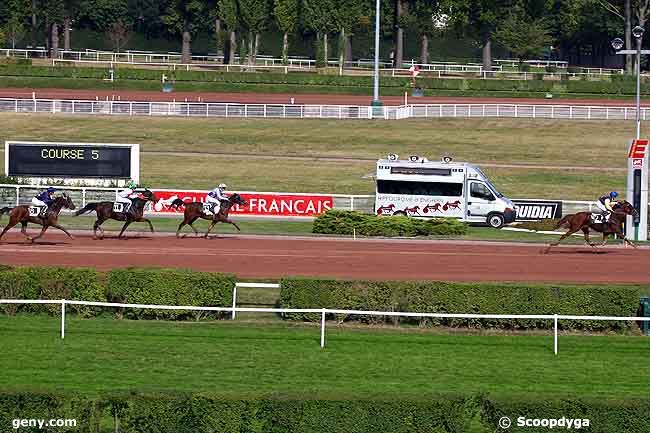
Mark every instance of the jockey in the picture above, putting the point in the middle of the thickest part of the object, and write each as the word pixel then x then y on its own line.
pixel 216 196
pixel 605 203
pixel 127 194
pixel 45 198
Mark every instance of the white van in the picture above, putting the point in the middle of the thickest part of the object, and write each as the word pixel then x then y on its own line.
pixel 421 188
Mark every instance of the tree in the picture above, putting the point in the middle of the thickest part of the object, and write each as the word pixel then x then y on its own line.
pixel 13 28
pixel 286 17
pixel 53 11
pixel 320 17
pixel 427 18
pixel 184 17
pixel 229 12
pixel 524 36
pixel 478 19
pixel 348 14
pixel 119 34
pixel 254 15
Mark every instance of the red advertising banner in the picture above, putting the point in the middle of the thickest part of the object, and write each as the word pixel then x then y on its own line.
pixel 259 204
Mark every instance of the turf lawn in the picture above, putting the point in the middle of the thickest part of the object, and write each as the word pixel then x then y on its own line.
pixel 263 148
pixel 109 355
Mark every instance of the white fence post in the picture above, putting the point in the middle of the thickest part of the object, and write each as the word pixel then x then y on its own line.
pixel 322 329
pixel 17 195
pixel 62 319
pixel 555 334
pixel 234 301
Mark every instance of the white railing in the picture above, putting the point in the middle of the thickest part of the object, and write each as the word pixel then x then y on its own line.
pixel 325 311
pixel 296 111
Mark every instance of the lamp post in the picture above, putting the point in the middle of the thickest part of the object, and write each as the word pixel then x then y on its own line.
pixel 375 98
pixel 636 227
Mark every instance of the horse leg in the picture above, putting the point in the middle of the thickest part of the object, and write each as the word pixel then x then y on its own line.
pixel 43 230
pixel 98 225
pixel 23 229
pixel 196 232
pixel 564 236
pixel 63 230
pixel 585 230
pixel 627 241
pixel 126 224
pixel 233 223
pixel 145 220
pixel 605 237
pixel 180 226
pixel 210 228
pixel 11 224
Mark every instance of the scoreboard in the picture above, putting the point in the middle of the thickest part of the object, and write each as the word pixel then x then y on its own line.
pixel 72 160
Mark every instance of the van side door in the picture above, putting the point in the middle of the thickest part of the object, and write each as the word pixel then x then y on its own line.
pixel 479 201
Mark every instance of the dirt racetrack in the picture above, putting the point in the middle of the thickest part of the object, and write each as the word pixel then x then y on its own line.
pixel 270 258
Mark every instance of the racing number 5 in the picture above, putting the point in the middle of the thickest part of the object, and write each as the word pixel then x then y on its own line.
pixel 94 154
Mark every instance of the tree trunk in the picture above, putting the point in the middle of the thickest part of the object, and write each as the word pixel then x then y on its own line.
pixel 424 49
pixel 48 36
pixel 629 59
pixel 348 47
pixel 217 35
pixel 325 53
pixel 34 24
pixel 186 51
pixel 233 46
pixel 285 48
pixel 66 33
pixel 55 40
pixel 251 42
pixel 341 49
pixel 487 53
pixel 256 48
pixel 399 48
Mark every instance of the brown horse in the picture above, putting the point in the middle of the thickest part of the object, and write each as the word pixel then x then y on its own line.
pixel 20 214
pixel 105 212
pixel 194 211
pixel 582 221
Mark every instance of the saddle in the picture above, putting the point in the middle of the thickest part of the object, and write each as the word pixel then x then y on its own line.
pixel 38 211
pixel 208 208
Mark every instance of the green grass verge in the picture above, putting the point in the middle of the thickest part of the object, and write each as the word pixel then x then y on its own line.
pixel 545 143
pixel 99 355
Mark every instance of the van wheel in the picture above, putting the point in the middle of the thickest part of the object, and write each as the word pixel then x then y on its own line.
pixel 399 213
pixel 496 220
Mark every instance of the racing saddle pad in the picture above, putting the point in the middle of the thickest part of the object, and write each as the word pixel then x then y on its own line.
pixel 37 211
pixel 597 218
pixel 207 208
pixel 120 207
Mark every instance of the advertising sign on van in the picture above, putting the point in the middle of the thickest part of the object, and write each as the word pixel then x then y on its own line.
pixel 534 210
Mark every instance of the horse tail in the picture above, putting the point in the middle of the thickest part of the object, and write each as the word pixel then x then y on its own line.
pixel 563 221
pixel 5 210
pixel 88 208
pixel 177 203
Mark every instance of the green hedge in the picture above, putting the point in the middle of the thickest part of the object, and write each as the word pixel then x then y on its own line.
pixel 129 77
pixel 205 413
pixel 169 287
pixel 133 285
pixel 479 298
pixel 343 223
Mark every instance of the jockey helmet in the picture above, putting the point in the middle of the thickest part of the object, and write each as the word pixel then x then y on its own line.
pixel 222 186
pixel 51 190
pixel 613 194
pixel 131 184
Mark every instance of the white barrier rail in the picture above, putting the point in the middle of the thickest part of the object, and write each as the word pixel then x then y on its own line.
pixel 325 311
pixel 295 111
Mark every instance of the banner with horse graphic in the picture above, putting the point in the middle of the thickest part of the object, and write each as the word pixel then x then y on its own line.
pixel 258 204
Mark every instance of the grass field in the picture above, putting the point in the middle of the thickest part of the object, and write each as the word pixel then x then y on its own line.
pixel 262 149
pixel 108 355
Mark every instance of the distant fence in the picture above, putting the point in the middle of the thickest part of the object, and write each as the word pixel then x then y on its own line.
pixel 324 312
pixel 299 111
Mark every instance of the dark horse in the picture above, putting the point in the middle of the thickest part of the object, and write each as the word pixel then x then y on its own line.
pixel 105 212
pixel 20 214
pixel 582 221
pixel 194 211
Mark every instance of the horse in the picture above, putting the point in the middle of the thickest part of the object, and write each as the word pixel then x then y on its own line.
pixel 20 214
pixel 105 212
pixel 582 221
pixel 194 211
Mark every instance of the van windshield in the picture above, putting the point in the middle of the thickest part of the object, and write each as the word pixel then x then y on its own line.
pixel 489 184
pixel 419 188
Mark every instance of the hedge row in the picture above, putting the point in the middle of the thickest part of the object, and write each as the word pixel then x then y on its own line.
pixel 132 285
pixel 344 222
pixel 440 297
pixel 618 85
pixel 204 413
